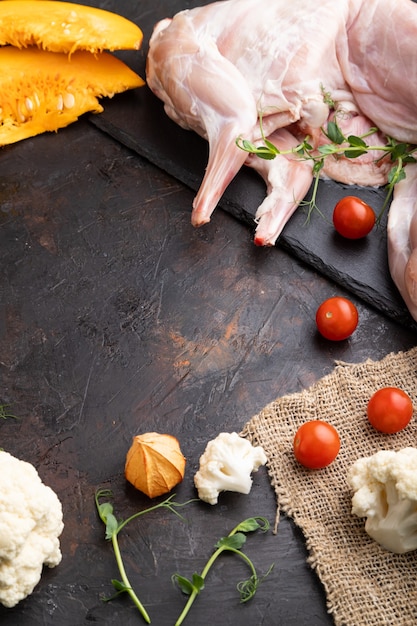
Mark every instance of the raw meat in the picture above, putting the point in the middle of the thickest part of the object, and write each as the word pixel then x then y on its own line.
pixel 402 238
pixel 221 67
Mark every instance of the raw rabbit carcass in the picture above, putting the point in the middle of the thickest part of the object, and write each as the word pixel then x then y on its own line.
pixel 222 68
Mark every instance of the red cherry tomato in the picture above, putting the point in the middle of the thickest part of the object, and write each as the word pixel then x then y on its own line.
pixel 353 218
pixel 337 318
pixel 316 444
pixel 390 410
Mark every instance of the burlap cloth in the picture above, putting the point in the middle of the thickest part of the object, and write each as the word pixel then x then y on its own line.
pixel 364 584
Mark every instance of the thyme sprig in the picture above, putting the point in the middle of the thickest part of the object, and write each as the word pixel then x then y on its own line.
pixel 232 543
pixel 350 147
pixel 113 528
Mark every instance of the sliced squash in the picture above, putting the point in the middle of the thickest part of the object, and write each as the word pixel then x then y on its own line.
pixel 44 91
pixel 65 27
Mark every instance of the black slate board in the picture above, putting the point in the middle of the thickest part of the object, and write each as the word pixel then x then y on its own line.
pixel 139 122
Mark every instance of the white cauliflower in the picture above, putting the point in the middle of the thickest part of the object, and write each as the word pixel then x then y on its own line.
pixel 30 524
pixel 226 465
pixel 385 486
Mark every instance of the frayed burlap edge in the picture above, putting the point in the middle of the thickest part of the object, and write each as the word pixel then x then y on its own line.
pixel 364 584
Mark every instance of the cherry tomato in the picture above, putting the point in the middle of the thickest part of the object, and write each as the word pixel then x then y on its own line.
pixel 337 318
pixel 316 444
pixel 353 218
pixel 390 410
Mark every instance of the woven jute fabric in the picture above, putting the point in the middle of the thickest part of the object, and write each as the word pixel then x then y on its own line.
pixel 364 584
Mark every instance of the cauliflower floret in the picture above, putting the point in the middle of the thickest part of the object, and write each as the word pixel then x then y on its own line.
pixel 385 487
pixel 226 465
pixel 30 524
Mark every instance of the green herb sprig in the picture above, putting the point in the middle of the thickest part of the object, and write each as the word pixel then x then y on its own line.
pixel 351 147
pixel 113 528
pixel 5 413
pixel 232 543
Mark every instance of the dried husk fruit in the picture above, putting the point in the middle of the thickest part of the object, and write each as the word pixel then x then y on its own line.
pixel 154 463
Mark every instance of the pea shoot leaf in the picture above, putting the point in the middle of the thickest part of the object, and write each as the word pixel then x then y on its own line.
pixel 250 524
pixel 188 586
pixel 105 509
pixel 234 542
pixel 119 585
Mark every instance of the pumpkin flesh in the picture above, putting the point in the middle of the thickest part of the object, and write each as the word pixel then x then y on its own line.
pixel 44 91
pixel 65 27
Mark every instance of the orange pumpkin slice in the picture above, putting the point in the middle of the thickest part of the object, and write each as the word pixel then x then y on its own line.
pixel 65 27
pixel 154 463
pixel 44 91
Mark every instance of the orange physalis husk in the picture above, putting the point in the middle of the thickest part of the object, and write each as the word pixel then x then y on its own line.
pixel 154 463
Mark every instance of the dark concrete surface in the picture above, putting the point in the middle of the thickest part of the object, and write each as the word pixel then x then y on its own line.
pixel 117 317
